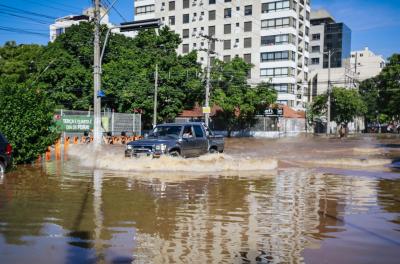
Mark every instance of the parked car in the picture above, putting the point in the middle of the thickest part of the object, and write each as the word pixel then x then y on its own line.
pixel 5 154
pixel 186 140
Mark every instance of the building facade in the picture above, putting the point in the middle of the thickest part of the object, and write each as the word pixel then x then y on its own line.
pixel 366 64
pixel 62 23
pixel 329 36
pixel 273 35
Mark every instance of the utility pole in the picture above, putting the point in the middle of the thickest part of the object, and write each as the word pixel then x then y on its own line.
pixel 328 118
pixel 207 104
pixel 210 40
pixel 155 97
pixel 97 76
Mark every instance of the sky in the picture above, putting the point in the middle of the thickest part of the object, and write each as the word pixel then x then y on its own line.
pixel 374 23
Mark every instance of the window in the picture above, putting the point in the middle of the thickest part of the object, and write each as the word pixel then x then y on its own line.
pixel 213 45
pixel 211 30
pixel 277 72
pixel 278 39
pixel 248 26
pixel 227 44
pixel 315 49
pixel 247 58
pixel 185 19
pixel 284 88
pixel 278 22
pixel 276 6
pixel 211 2
pixel 198 131
pixel 227 29
pixel 314 61
pixel 144 9
pixel 185 33
pixel 171 20
pixel 185 48
pixel 227 58
pixel 278 56
pixel 186 4
pixel 228 1
pixel 171 5
pixel 211 15
pixel 248 10
pixel 59 31
pixel 247 43
pixel 227 12
pixel 316 36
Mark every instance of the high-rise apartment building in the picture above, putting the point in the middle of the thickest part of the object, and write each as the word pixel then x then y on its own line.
pixel 326 35
pixel 273 35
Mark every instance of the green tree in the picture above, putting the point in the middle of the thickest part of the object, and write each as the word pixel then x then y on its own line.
pixel 127 72
pixel 26 119
pixel 239 101
pixel 346 104
pixel 382 93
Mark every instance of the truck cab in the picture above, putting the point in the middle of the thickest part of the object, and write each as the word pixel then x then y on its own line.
pixel 186 140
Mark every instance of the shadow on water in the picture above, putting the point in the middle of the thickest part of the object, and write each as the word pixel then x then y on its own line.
pixel 389 145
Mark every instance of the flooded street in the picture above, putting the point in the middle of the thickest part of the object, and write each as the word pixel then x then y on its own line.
pixel 289 200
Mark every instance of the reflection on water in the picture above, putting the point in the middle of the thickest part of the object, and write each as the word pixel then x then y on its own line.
pixel 65 213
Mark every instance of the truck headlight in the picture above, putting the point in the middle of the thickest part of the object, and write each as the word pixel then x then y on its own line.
pixel 129 146
pixel 161 147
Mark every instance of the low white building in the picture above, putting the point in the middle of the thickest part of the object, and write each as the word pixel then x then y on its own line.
pixel 62 23
pixel 366 64
pixel 339 77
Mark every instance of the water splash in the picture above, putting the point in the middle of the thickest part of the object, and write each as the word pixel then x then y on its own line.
pixel 109 158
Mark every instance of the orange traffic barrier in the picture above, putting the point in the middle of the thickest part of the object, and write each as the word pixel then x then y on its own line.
pixel 48 154
pixel 66 143
pixel 76 140
pixel 57 148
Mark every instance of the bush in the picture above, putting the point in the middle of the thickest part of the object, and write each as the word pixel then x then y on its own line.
pixel 26 119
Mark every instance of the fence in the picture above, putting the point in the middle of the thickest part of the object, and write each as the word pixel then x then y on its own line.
pixel 75 123
pixel 265 126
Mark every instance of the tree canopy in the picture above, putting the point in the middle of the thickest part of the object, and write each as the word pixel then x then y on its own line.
pixel 63 70
pixel 239 101
pixel 382 93
pixel 346 104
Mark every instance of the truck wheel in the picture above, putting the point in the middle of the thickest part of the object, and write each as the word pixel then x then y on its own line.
pixel 213 151
pixel 174 153
pixel 2 168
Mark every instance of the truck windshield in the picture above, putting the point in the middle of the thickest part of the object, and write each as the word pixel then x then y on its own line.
pixel 166 131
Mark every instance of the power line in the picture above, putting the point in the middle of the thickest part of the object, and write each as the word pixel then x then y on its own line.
pixel 25 17
pixel 23 31
pixel 116 10
pixel 52 7
pixel 17 10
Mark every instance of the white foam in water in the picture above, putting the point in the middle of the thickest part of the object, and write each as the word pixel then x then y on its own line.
pixel 348 162
pixel 109 158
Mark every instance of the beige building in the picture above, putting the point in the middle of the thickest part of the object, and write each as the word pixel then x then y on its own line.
pixel 366 64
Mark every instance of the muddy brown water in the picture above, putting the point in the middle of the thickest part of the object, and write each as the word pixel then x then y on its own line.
pixel 290 200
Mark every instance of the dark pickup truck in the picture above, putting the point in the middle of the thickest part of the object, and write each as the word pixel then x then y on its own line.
pixel 5 154
pixel 186 140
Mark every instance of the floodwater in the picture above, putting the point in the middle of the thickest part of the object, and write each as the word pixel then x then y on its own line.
pixel 290 200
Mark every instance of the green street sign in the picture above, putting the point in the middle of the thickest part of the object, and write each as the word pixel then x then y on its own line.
pixel 75 123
